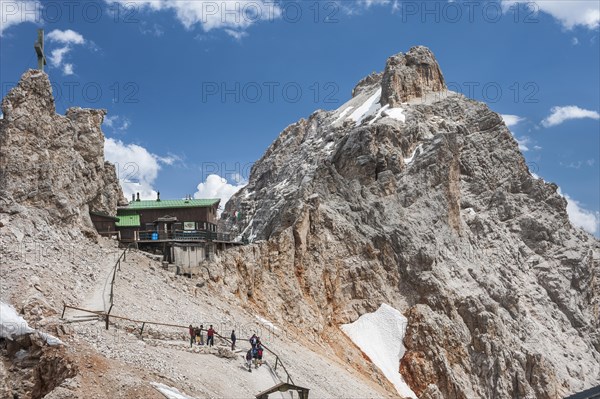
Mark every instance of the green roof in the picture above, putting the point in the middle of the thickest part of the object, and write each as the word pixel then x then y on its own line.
pixel 165 204
pixel 128 221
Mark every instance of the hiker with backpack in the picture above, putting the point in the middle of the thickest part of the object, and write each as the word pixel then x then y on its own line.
pixel 255 356
pixel 253 340
pixel 249 360
pixel 210 336
pixel 259 355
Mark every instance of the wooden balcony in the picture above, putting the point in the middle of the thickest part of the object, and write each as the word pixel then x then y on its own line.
pixel 149 236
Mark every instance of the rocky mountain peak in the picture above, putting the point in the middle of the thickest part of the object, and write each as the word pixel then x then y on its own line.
pixel 33 94
pixel 410 75
pixel 50 162
pixel 427 206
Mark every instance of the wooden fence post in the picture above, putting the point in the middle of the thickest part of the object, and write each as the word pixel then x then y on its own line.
pixel 108 315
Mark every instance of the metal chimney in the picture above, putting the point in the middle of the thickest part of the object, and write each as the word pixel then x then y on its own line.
pixel 138 197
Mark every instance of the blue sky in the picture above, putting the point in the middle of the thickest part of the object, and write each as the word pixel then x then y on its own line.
pixel 195 88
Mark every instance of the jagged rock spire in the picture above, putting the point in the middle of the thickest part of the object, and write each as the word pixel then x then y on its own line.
pixel 410 75
pixel 50 161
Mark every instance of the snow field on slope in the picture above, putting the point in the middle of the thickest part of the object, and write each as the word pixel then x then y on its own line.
pixel 380 336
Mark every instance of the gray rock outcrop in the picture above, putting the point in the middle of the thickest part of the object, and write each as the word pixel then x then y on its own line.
pixel 52 163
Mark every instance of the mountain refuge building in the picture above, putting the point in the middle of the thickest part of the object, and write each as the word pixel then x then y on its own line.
pixel 183 231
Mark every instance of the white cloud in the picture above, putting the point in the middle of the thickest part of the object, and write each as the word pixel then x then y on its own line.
pixel 578 164
pixel 561 114
pixel 570 13
pixel 523 142
pixel 137 168
pixel 171 159
pixel 575 41
pixel 209 14
pixel 57 55
pixel 68 69
pixel 65 37
pixel 236 34
pixel 357 7
pixel 217 187
pixel 512 120
pixel 19 11
pixel 369 3
pixel 154 29
pixel 109 120
pixel 581 217
pixel 117 123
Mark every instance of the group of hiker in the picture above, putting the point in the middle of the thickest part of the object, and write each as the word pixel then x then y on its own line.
pixel 197 336
pixel 253 356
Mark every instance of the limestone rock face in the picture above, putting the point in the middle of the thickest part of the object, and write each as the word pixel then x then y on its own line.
pixel 52 162
pixel 410 75
pixel 430 207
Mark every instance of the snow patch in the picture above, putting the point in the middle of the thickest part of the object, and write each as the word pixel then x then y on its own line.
pixel 378 114
pixel 49 339
pixel 368 108
pixel 380 336
pixel 396 113
pixel 249 226
pixel 416 152
pixel 342 115
pixel 169 392
pixel 13 325
pixel 266 322
pixel 328 149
